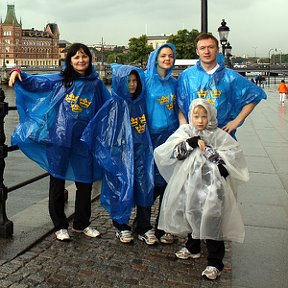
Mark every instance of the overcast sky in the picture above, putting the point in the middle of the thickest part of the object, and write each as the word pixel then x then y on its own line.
pixel 256 26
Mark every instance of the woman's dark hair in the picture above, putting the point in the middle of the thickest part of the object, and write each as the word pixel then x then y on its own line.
pixel 69 73
pixel 139 85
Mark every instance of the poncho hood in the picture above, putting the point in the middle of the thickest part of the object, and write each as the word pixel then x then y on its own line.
pixel 211 111
pixel 120 77
pixel 152 61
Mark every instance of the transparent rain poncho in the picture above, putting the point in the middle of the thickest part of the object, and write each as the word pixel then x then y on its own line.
pixel 198 199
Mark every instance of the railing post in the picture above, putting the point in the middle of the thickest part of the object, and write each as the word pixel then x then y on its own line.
pixel 6 226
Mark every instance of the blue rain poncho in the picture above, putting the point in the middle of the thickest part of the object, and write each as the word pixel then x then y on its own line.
pixel 119 140
pixel 198 199
pixel 226 89
pixel 161 96
pixel 162 109
pixel 52 119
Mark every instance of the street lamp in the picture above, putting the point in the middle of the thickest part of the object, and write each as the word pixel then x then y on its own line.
pixel 255 47
pixel 269 72
pixel 228 49
pixel 223 31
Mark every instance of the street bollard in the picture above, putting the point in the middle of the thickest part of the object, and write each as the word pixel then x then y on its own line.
pixel 6 226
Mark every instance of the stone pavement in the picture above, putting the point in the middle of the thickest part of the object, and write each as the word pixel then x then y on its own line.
pixel 105 262
pixel 260 262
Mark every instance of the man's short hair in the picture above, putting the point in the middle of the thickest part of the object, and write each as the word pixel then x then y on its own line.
pixel 205 36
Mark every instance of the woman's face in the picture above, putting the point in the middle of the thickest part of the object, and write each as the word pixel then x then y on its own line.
pixel 80 62
pixel 165 59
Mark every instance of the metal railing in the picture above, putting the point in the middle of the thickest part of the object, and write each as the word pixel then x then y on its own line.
pixel 6 226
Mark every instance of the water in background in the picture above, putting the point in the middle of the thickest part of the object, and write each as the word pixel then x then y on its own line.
pixel 19 168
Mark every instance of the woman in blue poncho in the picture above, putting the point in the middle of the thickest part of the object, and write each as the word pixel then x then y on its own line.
pixel 54 110
pixel 119 139
pixel 162 113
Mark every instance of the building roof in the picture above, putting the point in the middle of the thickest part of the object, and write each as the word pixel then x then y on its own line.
pixel 160 37
pixel 11 16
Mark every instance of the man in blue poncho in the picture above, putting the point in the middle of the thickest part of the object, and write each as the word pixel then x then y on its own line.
pixel 234 98
pixel 54 110
pixel 232 94
pixel 120 141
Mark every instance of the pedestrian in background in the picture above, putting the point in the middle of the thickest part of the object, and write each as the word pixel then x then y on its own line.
pixel 233 96
pixel 54 109
pixel 162 113
pixel 119 139
pixel 282 88
pixel 199 198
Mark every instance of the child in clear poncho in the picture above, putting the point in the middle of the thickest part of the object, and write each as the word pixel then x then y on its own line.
pixel 202 165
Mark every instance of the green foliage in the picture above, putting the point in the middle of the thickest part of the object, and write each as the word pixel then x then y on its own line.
pixel 139 50
pixel 185 43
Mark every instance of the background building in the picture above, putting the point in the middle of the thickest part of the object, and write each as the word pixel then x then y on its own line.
pixel 27 47
pixel 157 41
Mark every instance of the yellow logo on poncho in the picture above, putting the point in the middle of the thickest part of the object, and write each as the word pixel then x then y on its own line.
pixel 76 103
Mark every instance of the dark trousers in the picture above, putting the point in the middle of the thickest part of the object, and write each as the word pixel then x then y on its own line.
pixel 159 192
pixel 57 201
pixel 141 222
pixel 216 251
pixel 144 215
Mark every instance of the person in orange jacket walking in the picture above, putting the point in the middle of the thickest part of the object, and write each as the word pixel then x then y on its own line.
pixel 282 88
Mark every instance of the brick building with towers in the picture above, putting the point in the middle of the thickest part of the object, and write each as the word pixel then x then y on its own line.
pixel 27 47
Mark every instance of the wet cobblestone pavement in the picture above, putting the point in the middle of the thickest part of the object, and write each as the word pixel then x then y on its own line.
pixel 105 262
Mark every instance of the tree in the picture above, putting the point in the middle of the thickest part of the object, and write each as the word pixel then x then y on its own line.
pixel 139 50
pixel 185 43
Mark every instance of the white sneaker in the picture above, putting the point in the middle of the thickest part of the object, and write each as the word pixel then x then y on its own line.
pixel 125 236
pixel 88 231
pixel 62 235
pixel 149 237
pixel 184 253
pixel 211 272
pixel 167 238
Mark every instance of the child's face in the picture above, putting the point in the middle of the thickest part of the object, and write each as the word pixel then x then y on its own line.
pixel 165 58
pixel 199 118
pixel 132 83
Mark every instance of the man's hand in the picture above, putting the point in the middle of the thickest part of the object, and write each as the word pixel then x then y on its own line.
pixel 231 126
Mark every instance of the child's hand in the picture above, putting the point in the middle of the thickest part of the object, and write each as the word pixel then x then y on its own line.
pixel 193 141
pixel 223 171
pixel 201 144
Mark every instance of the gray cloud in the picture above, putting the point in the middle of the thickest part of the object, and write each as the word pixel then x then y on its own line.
pixel 253 23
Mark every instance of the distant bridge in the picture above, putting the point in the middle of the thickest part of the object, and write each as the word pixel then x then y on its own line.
pixel 268 71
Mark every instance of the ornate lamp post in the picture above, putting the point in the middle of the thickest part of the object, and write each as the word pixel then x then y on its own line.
pixel 223 31
pixel 228 49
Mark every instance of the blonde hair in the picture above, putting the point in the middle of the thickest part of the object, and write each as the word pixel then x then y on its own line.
pixel 199 108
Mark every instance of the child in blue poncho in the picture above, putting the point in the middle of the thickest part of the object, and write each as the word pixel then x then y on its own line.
pixel 119 140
